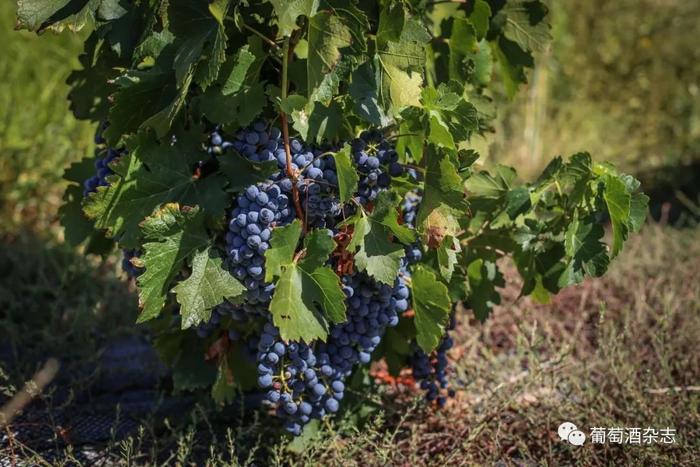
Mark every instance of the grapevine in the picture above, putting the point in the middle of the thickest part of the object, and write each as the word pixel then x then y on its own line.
pixel 295 184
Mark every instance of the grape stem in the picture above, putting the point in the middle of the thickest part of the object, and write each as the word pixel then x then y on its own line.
pixel 266 39
pixel 413 166
pixel 286 52
pixel 300 254
pixel 239 22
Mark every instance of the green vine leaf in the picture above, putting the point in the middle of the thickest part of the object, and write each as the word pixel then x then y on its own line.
pixel 639 208
pixel 480 18
pixel 239 108
pixel 400 58
pixel 386 215
pixel 57 15
pixel 145 99
pixel 364 92
pixel 287 12
pixel 173 235
pixel 447 257
pixel 443 186
pixel 431 304
pixel 283 244
pixel 619 203
pixel 518 201
pixel 152 174
pixel 336 42
pixel 452 120
pixel 318 122
pixel 483 277
pixel 463 44
pixel 347 174
pixel 207 286
pixel 308 294
pixel 524 24
pixel 513 61
pixel 241 63
pixel 589 255
pixel 241 172
pixel 91 85
pixel 485 185
pixel 203 48
pixel 375 253
pixel 327 36
pixel 239 94
pixel 392 19
pixel 76 226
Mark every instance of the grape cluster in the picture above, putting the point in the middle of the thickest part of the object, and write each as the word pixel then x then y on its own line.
pixel 259 208
pixel 318 189
pixel 102 162
pixel 102 171
pixel 409 207
pixel 377 162
pixel 262 206
pixel 299 384
pixel 317 180
pixel 409 210
pixel 432 370
pixel 99 133
pixel 371 307
pixel 306 382
pixel 216 143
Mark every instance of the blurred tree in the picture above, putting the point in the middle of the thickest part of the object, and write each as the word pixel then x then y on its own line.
pixel 622 79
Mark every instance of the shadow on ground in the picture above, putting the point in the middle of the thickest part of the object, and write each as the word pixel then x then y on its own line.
pixel 58 306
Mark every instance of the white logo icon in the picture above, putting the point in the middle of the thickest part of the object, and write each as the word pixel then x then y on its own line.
pixel 569 432
pixel 577 438
pixel 564 430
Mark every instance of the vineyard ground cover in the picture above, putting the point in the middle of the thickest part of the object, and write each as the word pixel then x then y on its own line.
pixel 590 357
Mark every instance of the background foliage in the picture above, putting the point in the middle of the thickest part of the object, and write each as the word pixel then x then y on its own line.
pixel 615 69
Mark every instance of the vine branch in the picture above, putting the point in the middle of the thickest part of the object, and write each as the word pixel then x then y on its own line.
pixel 262 36
pixel 286 52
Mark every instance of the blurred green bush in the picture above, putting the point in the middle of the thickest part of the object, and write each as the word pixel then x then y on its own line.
pixel 621 80
pixel 38 135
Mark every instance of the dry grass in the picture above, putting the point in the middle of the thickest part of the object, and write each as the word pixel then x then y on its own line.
pixel 597 356
pixel 591 357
